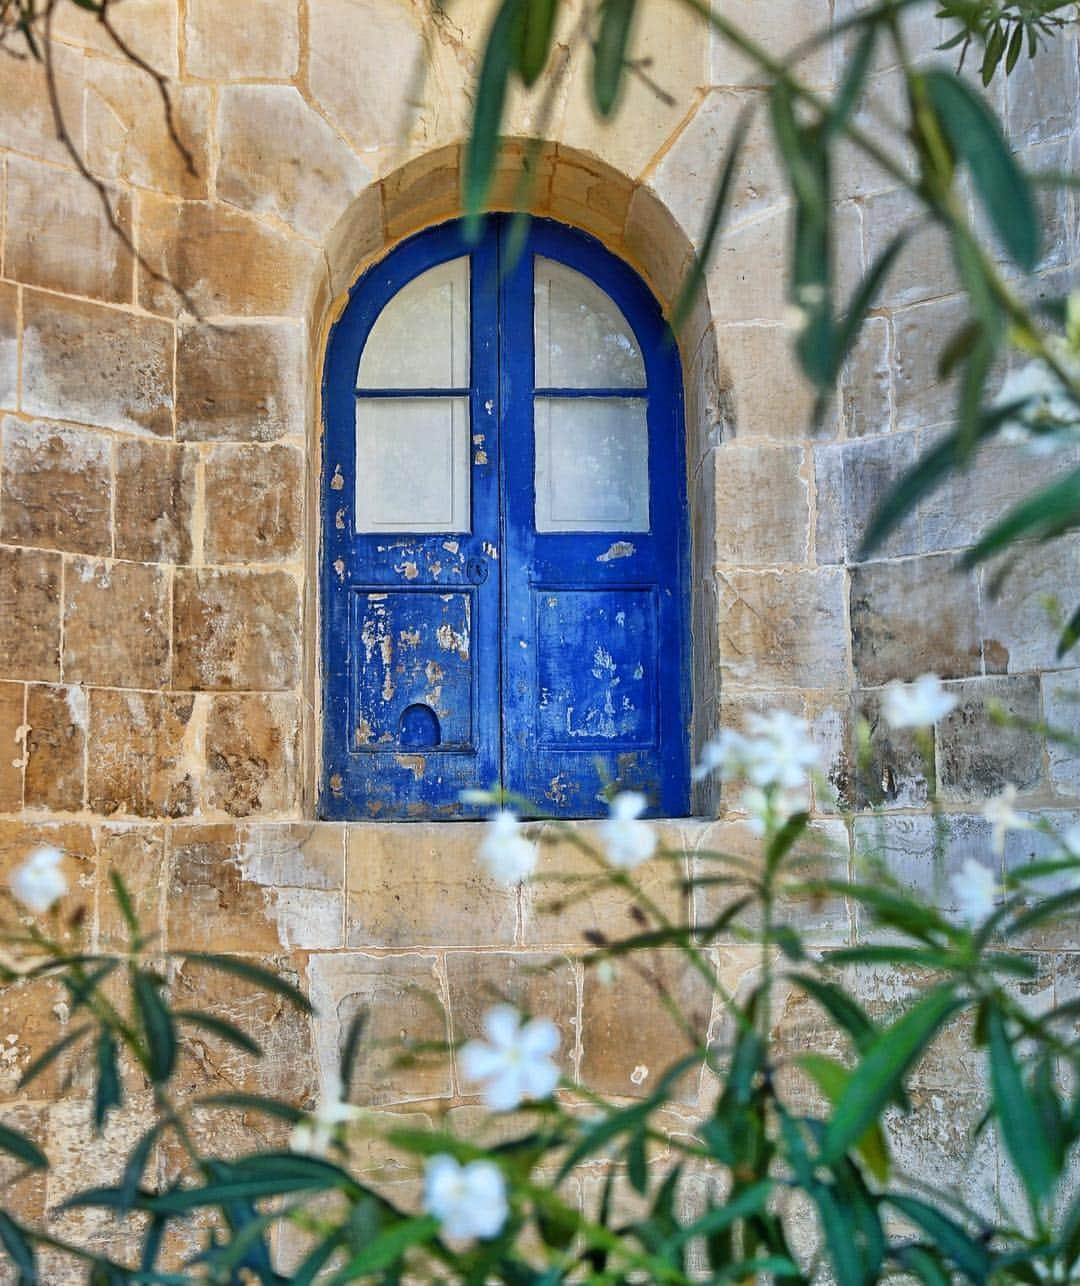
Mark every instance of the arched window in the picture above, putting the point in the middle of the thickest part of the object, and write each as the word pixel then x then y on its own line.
pixel 504 591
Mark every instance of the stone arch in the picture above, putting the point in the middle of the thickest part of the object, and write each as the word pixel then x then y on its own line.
pixel 628 217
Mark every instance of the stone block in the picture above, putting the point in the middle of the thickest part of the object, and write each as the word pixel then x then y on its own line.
pixel 56 487
pixel 762 504
pixel 12 731
pixel 279 158
pixel 866 381
pixel 539 986
pixel 24 1188
pixel 212 259
pixel 924 267
pixel 1024 610
pixel 897 774
pixel 780 28
pixel 27 122
pixel 421 885
pixel 34 1015
pixel 911 617
pixel 1024 845
pixel 769 395
pixel 127 134
pixel 587 192
pixel 296 855
pixel 628 1038
pixel 425 191
pixel 783 628
pixel 747 275
pixel 155 495
pixel 920 333
pixel 136 853
pixel 402 997
pixel 254 504
pixel 145 760
pixel 9 345
pixel 239 382
pixel 252 754
pixel 1042 93
pixel 977 758
pixel 55 774
pixel 116 624
pixel 147 27
pixel 29 614
pixel 83 361
pixel 1061 709
pixel 659 247
pixel 251 39
pixel 357 237
pixel 857 477
pixel 48 211
pixel 19 838
pixel 236 629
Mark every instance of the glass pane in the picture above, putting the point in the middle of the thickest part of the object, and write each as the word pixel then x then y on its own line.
pixel 421 337
pixel 412 464
pixel 592 464
pixel 582 339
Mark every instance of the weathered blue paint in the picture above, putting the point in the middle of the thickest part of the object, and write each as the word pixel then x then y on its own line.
pixel 544 661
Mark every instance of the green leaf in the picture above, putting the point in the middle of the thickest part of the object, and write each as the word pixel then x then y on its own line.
pixel 387 1248
pixel 924 1265
pixel 251 973
pixel 785 839
pixel 536 26
pixel 158 1025
pixel 1069 635
pixel 970 1257
pixel 220 1027
pixel 123 901
pixel 108 1092
pixel 863 298
pixel 847 96
pixel 19 1248
pixel 25 1149
pixel 1019 1120
pixel 880 1074
pixel 254 1103
pixel 137 1161
pixel 51 1054
pixel 976 137
pixel 483 146
pixel 845 1012
pixel 1016 44
pixel 839 1237
pixel 995 47
pixel 832 1078
pixel 609 55
pixel 1044 514
pixel 637 1162
pixel 748 1201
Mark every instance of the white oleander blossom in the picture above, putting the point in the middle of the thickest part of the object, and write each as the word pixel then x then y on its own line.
pixel 975 887
pixel 514 1063
pixel 916 705
pixel 315 1133
pixel 627 840
pixel 505 852
pixel 1003 817
pixel 726 754
pixel 468 1200
pixel 1048 418
pixel 780 752
pixel 39 881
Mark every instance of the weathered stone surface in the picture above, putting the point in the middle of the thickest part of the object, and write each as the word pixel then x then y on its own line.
pixel 27 123
pixel 144 762
pixel 355 239
pixel 1042 93
pixel 628 1038
pixel 9 345
pixel 87 362
pixel 12 703
pixel 29 614
pixel 897 773
pixel 780 628
pixel 35 1014
pixel 127 135
pixel 56 487
pixel 210 902
pixel 866 381
pixel 656 244
pixel 254 504
pixel 762 504
pixel 911 617
pixel 904 845
pixel 1061 709
pixel 239 382
pixel 924 267
pixel 306 855
pixel 55 748
pixel 24 1188
pixel 769 395
pixel 136 853
pixel 540 986
pixel 1021 631
pixel 116 624
pixel 404 1001
pixel 214 259
pixel 421 885
pixel 252 754
pixel 853 479
pixel 779 27
pixel 425 191
pixel 256 39
pixel 147 27
pixel 590 194
pixel 975 756
pixel 920 333
pixel 50 210
pixel 937 1136
pixel 155 493
pixel 236 629
pixel 279 158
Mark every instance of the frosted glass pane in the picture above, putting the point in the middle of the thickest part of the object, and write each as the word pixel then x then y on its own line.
pixel 421 337
pixel 592 464
pixel 582 339
pixel 412 464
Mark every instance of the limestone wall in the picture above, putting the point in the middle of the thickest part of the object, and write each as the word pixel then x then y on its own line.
pixel 160 475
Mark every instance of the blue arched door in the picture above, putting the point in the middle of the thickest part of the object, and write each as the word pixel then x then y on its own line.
pixel 504 532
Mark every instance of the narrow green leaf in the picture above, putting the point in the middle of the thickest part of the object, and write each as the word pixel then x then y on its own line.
pixel 1069 635
pixel 880 1073
pixel 137 1162
pixel 349 1048
pixel 219 1027
pixel 1046 513
pixel 1019 1121
pixel 637 1162
pixel 609 55
pixel 26 1150
pixel 785 839
pixel 1016 44
pixel 536 26
pixel 19 1248
pixel 251 973
pixel 254 1103
pixel 51 1054
pixel 845 1012
pixel 832 1078
pixel 969 1256
pixel 924 1265
pixel 977 138
pixel 158 1025
pixel 995 47
pixel 108 1092
pixel 483 147
pixel 387 1248
pixel 123 901
pixel 850 91
pixel 748 1201
pixel 863 299
pixel 839 1237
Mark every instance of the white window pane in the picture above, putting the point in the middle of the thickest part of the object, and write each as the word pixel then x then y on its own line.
pixel 592 464
pixel 412 464
pixel 421 337
pixel 582 339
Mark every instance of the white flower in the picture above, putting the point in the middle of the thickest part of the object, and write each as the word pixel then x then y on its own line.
pixel 515 1062
pixel 726 754
pixel 39 881
pixel 508 856
pixel 771 808
pixel 627 840
pixel 975 888
pixel 1071 840
pixel 1049 417
pixel 916 705
pixel 780 751
pixel 468 1200
pixel 1001 814
pixel 315 1133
